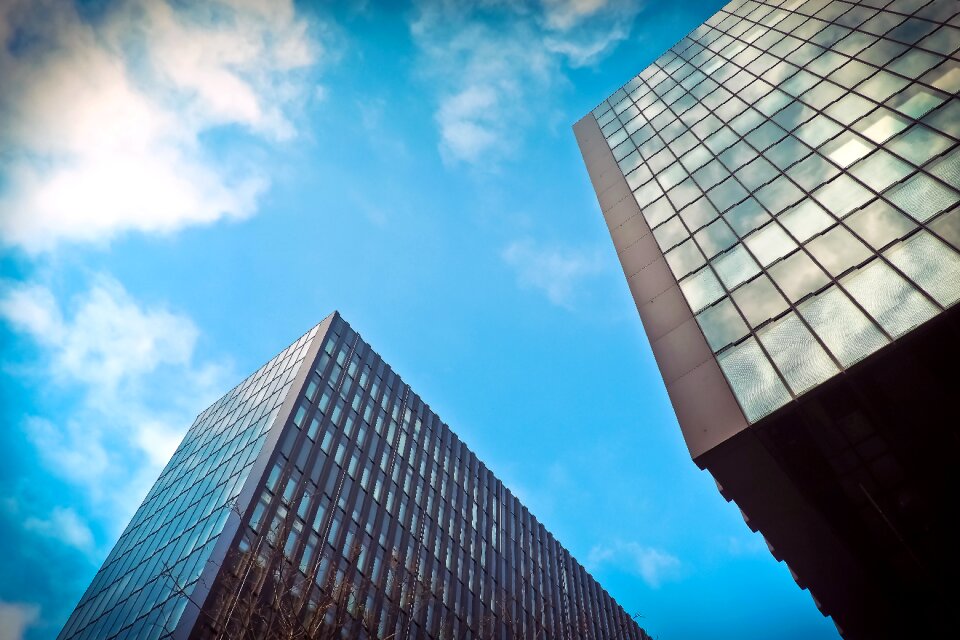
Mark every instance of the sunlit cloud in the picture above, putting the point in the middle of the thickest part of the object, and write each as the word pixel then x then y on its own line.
pixel 15 618
pixel 555 271
pixel 104 119
pixel 495 66
pixel 134 370
pixel 654 566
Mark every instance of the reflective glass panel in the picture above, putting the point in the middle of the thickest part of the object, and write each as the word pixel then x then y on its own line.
pixel 849 334
pixel 931 264
pixel 753 379
pixel 685 258
pixel 806 220
pixel 721 324
pixel 701 289
pixel 796 353
pixel 838 250
pixel 798 275
pixel 880 224
pixel 735 267
pixel 892 301
pixel 759 300
pixel 715 237
pixel 770 243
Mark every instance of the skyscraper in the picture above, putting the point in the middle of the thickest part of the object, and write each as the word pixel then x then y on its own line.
pixel 322 497
pixel 781 189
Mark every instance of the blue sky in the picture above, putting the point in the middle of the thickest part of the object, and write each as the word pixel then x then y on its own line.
pixel 183 193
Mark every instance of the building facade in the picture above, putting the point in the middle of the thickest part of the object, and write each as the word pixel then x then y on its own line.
pixel 781 187
pixel 323 498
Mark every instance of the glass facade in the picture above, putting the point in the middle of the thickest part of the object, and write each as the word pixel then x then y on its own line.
pixel 361 490
pixel 141 590
pixel 798 165
pixel 368 483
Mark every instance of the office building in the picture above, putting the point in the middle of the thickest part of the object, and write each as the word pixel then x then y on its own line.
pixel 781 187
pixel 323 498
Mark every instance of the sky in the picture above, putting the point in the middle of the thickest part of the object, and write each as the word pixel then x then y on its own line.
pixel 184 191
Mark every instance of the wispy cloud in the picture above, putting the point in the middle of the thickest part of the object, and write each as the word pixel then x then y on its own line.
pixel 104 118
pixel 554 270
pixel 654 566
pixel 134 371
pixel 495 65
pixel 65 525
pixel 15 618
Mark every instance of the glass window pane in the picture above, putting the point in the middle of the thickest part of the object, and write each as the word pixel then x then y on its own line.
pixel 880 170
pixel 698 214
pixel 946 118
pixel 671 176
pixel 798 275
pixel 880 224
pixel 726 194
pixel 684 193
pixel 715 238
pixel 747 216
pixel 753 379
pixel 838 250
pixel 735 267
pixel 931 264
pixel 670 233
pixel 948 168
pixel 797 354
pixel 915 101
pixel 658 212
pixel 757 173
pixel 812 172
pixel 842 195
pixel 701 289
pixel 786 152
pixel 918 144
pixel 710 174
pixel 948 226
pixel 759 300
pixel 770 244
pixel 806 220
pixel 892 301
pixel 882 86
pixel 846 149
pixel 849 334
pixel 882 124
pixel 685 258
pixel 721 325
pixel 647 193
pixel 817 131
pixel 923 197
pixel 778 195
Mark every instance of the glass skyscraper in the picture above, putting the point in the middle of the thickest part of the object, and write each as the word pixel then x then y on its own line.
pixel 323 498
pixel 781 187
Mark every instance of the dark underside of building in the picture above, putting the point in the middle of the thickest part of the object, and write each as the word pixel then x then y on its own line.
pixel 855 486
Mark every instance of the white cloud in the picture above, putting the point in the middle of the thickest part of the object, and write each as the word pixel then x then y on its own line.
pixel 496 65
pixel 15 618
pixel 103 119
pixel 65 525
pixel 554 270
pixel 653 566
pixel 133 368
pixel 109 339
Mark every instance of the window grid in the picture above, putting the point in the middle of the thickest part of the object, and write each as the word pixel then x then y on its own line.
pixel 418 494
pixel 663 126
